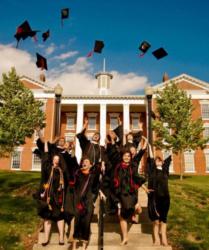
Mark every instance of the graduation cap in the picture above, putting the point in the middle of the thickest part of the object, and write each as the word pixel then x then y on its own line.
pixel 144 46
pixel 159 53
pixel 64 14
pixel 24 31
pixel 41 62
pixel 98 46
pixel 45 35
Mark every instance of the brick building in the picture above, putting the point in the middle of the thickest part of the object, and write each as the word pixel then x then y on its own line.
pixel 102 111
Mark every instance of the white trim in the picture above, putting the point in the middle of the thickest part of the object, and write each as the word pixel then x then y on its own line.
pixel 43 95
pixel 102 101
pixel 204 101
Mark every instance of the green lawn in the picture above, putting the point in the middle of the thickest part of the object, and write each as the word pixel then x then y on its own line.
pixel 188 221
pixel 18 219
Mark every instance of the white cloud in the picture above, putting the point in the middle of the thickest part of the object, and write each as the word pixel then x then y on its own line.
pixel 66 55
pixel 23 62
pixel 52 47
pixel 77 78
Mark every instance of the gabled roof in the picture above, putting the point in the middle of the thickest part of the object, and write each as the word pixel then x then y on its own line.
pixel 41 85
pixel 185 77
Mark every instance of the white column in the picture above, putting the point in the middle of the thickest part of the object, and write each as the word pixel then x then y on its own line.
pixel 79 126
pixel 126 118
pixel 103 123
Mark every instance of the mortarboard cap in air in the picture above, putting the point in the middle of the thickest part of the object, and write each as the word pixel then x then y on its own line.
pixel 41 62
pixel 24 31
pixel 64 13
pixel 159 53
pixel 98 46
pixel 45 35
pixel 144 46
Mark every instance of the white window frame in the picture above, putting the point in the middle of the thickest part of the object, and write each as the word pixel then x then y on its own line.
pixel 115 116
pixel 204 102
pixel 92 115
pixel 19 150
pixel 135 116
pixel 70 115
pixel 171 170
pixel 206 153
pixel 33 157
pixel 191 153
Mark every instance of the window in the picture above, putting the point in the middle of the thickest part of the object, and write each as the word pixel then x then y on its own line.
pixel 113 120
pixel 167 153
pixel 16 159
pixel 135 121
pixel 36 162
pixel 206 160
pixel 206 131
pixel 70 121
pixel 69 137
pixel 92 121
pixel 189 161
pixel 205 110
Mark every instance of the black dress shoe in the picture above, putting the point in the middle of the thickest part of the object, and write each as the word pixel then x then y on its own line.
pixel 61 243
pixel 45 243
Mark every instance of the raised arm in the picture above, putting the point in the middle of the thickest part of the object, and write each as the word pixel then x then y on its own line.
pixel 83 140
pixel 166 164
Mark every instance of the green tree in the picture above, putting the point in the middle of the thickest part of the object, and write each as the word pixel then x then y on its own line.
pixel 20 113
pixel 174 127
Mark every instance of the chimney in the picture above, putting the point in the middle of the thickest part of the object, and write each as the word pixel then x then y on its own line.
pixel 165 77
pixel 42 77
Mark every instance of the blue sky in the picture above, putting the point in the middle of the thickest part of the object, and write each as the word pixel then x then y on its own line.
pixel 181 27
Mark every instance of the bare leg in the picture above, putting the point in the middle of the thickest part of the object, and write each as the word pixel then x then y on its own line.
pixel 47 230
pixel 156 229
pixel 60 225
pixel 124 230
pixel 74 244
pixel 85 243
pixel 164 233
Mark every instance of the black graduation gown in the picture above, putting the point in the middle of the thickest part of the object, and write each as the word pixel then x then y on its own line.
pixel 126 184
pixel 159 200
pixel 93 151
pixel 54 211
pixel 84 191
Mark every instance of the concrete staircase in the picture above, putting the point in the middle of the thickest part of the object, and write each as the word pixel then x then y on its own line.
pixel 140 235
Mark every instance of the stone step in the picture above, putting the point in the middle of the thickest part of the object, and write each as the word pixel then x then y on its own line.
pixel 115 227
pixel 114 239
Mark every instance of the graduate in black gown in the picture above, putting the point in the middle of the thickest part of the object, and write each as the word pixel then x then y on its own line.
pixel 91 148
pixel 51 195
pixel 125 188
pixel 83 191
pixel 159 199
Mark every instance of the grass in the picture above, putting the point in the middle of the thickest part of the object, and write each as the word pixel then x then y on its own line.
pixel 18 215
pixel 188 221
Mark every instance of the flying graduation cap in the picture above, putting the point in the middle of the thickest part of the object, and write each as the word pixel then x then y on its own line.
pixel 41 62
pixel 24 31
pixel 64 14
pixel 144 47
pixel 98 46
pixel 159 53
pixel 45 35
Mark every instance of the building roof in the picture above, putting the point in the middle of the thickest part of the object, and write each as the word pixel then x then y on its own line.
pixel 188 78
pixel 37 83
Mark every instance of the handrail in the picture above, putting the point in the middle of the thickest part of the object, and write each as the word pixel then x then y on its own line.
pixel 101 224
